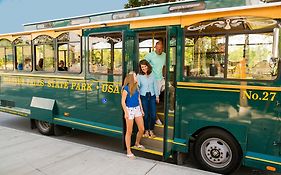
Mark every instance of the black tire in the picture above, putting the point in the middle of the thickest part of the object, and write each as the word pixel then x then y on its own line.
pixel 45 128
pixel 217 151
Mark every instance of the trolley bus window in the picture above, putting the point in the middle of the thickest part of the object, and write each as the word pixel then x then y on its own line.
pixel 6 55
pixel 22 47
pixel 249 56
pixel 106 53
pixel 147 42
pixel 204 56
pixel 233 48
pixel 69 54
pixel 146 46
pixel 44 53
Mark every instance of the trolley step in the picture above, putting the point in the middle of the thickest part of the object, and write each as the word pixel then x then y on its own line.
pixel 147 150
pixel 171 117
pixel 159 131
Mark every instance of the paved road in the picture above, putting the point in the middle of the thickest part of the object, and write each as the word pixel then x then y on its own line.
pixel 88 144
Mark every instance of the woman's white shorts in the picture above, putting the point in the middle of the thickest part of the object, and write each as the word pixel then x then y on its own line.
pixel 134 112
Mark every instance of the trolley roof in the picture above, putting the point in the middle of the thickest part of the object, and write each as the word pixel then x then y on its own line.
pixel 157 9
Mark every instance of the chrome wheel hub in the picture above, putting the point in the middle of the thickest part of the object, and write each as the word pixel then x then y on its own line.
pixel 216 152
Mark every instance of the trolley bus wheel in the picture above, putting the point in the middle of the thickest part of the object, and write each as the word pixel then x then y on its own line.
pixel 216 150
pixel 45 128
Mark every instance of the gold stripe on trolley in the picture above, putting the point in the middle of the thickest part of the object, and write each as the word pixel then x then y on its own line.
pixel 177 143
pixel 14 112
pixel 46 76
pixel 88 125
pixel 208 89
pixel 56 77
pixel 262 160
pixel 226 86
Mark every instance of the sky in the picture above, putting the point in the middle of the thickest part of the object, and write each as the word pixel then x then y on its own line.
pixel 15 13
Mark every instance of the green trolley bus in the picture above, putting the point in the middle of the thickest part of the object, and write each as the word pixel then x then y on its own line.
pixel 222 60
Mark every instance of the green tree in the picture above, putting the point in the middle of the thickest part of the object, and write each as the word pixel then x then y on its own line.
pixel 132 3
pixel 138 3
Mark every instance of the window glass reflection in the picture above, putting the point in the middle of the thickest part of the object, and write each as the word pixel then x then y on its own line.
pixel 23 60
pixel 241 50
pixel 204 56
pixel 69 54
pixel 106 53
pixel 249 56
pixel 6 55
pixel 44 53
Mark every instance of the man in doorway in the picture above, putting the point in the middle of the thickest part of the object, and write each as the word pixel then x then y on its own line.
pixel 157 59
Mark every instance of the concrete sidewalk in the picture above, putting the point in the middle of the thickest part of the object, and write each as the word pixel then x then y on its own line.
pixel 26 153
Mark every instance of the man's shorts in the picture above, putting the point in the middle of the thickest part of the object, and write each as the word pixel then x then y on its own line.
pixel 134 112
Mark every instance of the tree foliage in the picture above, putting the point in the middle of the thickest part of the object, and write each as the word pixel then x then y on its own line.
pixel 138 3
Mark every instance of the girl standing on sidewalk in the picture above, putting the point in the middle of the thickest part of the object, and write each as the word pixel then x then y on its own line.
pixel 132 107
pixel 149 94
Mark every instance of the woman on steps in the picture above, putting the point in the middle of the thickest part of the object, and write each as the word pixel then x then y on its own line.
pixel 133 110
pixel 149 95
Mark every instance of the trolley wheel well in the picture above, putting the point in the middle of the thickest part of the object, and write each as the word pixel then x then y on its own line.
pixel 196 133
pixel 222 135
pixel 44 127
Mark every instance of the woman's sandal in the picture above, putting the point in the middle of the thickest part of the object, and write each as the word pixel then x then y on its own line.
pixel 131 156
pixel 146 134
pixel 140 146
pixel 151 134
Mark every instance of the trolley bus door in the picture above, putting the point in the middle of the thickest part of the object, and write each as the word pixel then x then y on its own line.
pixel 129 52
pixel 129 63
pixel 171 54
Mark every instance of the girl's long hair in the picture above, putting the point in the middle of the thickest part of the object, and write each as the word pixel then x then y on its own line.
pixel 130 82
